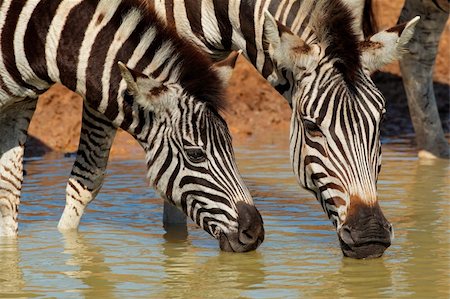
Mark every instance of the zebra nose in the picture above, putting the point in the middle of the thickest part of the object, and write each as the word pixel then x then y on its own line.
pixel 365 242
pixel 250 232
pixel 251 228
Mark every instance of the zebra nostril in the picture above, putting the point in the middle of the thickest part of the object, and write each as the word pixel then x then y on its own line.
pixel 345 234
pixel 246 233
pixel 245 236
pixel 391 231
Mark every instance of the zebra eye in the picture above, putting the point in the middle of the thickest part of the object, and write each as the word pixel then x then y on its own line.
pixel 196 154
pixel 312 128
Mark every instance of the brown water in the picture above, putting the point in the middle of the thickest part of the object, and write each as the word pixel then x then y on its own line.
pixel 122 251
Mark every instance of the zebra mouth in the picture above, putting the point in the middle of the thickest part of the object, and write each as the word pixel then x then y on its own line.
pixel 232 243
pixel 365 251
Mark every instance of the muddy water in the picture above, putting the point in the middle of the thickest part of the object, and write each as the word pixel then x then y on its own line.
pixel 122 250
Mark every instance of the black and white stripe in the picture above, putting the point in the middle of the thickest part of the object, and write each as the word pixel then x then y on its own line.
pixel 335 141
pixel 165 93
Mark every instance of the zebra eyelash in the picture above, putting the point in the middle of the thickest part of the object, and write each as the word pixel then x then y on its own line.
pixel 195 154
pixel 312 128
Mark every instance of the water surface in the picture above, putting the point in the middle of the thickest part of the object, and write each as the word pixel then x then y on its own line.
pixel 122 250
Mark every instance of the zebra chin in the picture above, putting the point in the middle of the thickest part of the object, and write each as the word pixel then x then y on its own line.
pixel 365 251
pixel 250 233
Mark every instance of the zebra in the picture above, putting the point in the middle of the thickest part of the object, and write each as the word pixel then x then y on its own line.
pixel 136 74
pixel 311 52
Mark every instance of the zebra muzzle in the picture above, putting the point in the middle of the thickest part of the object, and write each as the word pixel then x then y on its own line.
pixel 250 233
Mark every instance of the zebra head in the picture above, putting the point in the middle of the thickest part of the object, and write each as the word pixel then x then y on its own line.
pixel 335 125
pixel 190 158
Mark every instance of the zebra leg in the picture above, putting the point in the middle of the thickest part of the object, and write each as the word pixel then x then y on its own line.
pixel 417 72
pixel 86 178
pixel 172 215
pixel 14 123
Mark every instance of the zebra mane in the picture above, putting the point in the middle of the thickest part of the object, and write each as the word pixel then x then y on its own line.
pixel 332 23
pixel 195 69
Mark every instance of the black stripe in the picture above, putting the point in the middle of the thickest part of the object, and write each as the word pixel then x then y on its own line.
pixel 438 6
pixel 163 168
pixel 246 20
pixel 331 186
pixel 98 118
pixel 141 123
pixel 212 197
pixel 74 188
pixel 170 19
pixel 7 43
pixel 96 63
pixel 316 146
pixel 224 23
pixel 293 12
pixel 156 155
pixel 124 54
pixel 172 178
pixel 193 13
pixel 36 35
pixel 70 42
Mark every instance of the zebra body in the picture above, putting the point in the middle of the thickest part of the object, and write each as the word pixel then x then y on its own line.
pixel 316 58
pixel 165 93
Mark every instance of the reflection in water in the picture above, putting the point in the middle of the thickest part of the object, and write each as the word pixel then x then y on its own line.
pixel 123 251
pixel 191 274
pixel 11 275
pixel 90 266
pixel 364 279
pixel 428 221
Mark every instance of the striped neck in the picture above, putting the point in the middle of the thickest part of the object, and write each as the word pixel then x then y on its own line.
pixel 79 43
pixel 88 38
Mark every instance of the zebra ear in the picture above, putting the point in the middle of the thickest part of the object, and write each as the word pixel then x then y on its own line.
pixel 386 46
pixel 286 48
pixel 225 67
pixel 142 87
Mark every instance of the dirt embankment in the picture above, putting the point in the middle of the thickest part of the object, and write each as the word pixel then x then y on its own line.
pixel 255 109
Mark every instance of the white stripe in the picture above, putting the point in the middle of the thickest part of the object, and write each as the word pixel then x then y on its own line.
pixel 145 42
pixel 160 9
pixel 107 8
pixel 3 73
pixel 182 23
pixel 127 27
pixel 23 66
pixel 259 32
pixel 209 23
pixel 237 40
pixel 165 51
pixel 54 36
pixel 11 85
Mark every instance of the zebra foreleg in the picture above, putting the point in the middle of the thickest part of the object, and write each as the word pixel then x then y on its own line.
pixel 96 138
pixel 172 215
pixel 14 123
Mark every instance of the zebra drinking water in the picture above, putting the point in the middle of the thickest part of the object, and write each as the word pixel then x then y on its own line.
pixel 135 74
pixel 314 57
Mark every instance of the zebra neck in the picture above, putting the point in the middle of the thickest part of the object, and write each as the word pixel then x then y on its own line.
pixel 88 38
